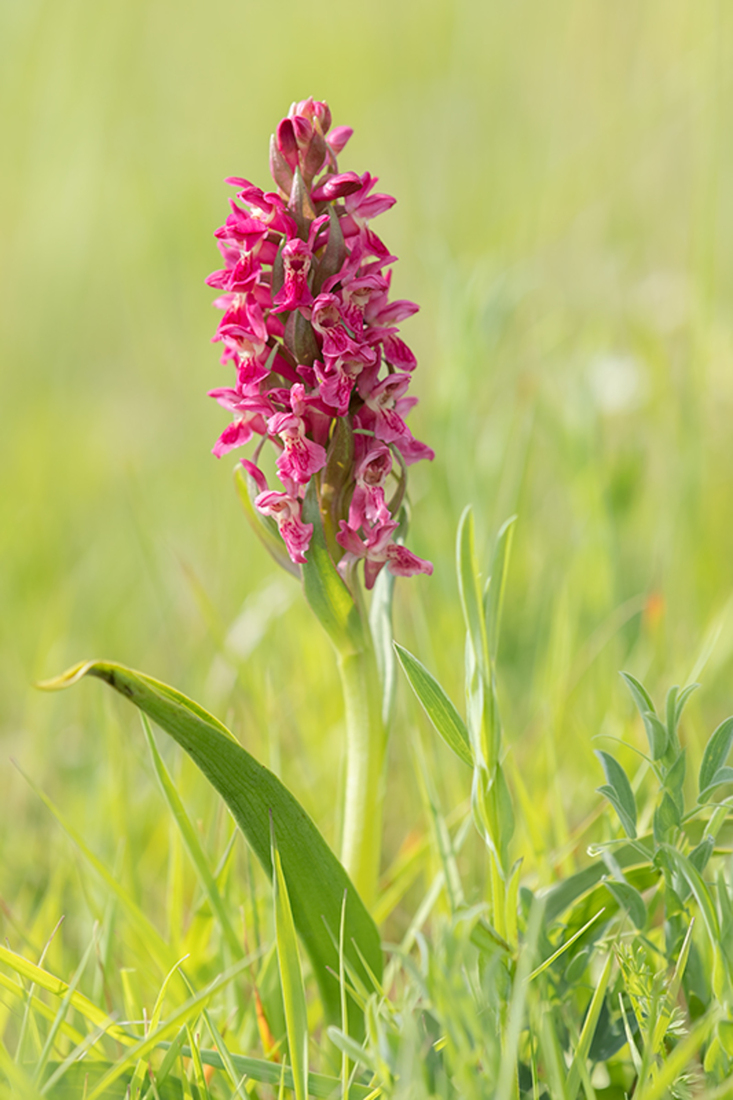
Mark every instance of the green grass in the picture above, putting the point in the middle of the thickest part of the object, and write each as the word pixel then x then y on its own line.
pixel 562 177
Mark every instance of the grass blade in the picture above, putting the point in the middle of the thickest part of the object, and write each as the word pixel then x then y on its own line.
pixel 291 978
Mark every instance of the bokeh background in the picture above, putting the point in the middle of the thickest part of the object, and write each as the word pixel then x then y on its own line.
pixel 563 172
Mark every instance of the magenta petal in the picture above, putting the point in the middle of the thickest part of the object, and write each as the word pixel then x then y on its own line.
pixel 403 563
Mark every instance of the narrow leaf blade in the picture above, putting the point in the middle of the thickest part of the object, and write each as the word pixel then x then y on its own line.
pixel 442 713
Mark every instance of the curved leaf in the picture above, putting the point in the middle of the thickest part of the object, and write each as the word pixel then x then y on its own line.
pixel 437 705
pixel 619 792
pixel 315 879
pixel 716 752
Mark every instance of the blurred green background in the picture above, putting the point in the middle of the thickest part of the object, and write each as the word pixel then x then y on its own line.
pixel 563 172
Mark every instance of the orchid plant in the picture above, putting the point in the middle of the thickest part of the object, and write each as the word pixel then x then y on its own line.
pixel 322 374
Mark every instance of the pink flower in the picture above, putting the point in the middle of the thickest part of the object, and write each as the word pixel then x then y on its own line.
pixel 377 551
pixel 294 293
pixel 368 504
pixel 300 457
pixel 387 422
pixel 287 511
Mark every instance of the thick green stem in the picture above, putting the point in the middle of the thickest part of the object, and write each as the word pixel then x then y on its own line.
pixel 365 746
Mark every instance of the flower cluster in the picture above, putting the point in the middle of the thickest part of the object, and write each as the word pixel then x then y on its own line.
pixel 311 331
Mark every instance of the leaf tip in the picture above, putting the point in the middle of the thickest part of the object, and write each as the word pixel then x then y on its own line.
pixel 66 679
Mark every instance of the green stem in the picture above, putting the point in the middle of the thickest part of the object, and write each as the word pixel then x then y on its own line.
pixel 365 747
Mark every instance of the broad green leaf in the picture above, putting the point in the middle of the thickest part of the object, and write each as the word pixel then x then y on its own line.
pixel 316 880
pixel 468 586
pixel 264 527
pixel 716 752
pixel 193 844
pixel 291 978
pixel 494 598
pixel 437 706
pixel 324 589
pixel 619 792
pixel 629 899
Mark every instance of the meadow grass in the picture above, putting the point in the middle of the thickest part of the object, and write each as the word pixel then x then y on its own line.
pixel 562 175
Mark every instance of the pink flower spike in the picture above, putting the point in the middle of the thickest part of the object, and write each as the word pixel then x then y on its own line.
pixel 287 511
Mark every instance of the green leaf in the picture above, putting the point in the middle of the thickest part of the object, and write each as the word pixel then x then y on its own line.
pixel 494 598
pixel 656 731
pixel 721 777
pixel 468 586
pixel 192 843
pixel 619 792
pixel 437 706
pixel 700 855
pixel 380 624
pixel 700 891
pixel 324 589
pixel 716 753
pixel 588 1031
pixel 657 735
pixel 291 978
pixel 682 699
pixel 639 694
pixel 674 780
pixel 316 880
pixel 666 819
pixel 629 899
pixel 264 527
